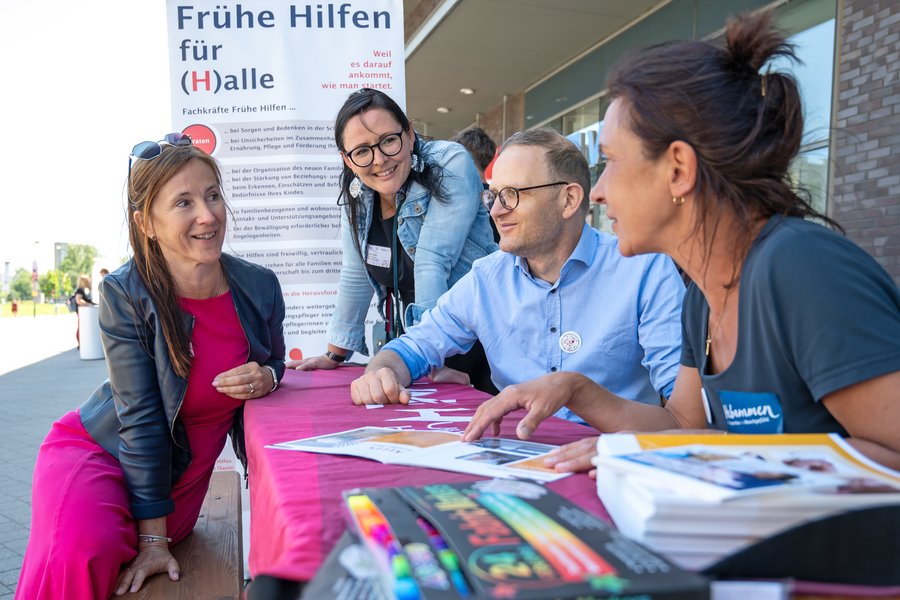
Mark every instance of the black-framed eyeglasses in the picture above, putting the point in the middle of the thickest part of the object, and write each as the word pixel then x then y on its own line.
pixel 390 145
pixel 509 196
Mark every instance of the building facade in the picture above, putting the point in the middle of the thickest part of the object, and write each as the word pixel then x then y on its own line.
pixel 848 75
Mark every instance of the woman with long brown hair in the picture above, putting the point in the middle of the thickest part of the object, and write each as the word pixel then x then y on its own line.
pixel 190 334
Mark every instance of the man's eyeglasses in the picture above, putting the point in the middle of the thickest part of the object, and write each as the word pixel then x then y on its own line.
pixel 390 145
pixel 509 196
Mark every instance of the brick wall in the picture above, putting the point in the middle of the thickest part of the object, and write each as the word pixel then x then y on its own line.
pixel 414 17
pixel 866 139
pixel 492 121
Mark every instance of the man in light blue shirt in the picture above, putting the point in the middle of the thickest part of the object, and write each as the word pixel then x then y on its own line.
pixel 558 296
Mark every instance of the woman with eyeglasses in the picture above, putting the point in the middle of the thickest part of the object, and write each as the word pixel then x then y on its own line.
pixel 190 334
pixel 411 227
pixel 789 327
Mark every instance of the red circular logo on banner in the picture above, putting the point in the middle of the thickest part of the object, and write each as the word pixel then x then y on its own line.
pixel 202 136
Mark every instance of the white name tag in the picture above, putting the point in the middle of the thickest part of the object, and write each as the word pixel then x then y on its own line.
pixel 378 256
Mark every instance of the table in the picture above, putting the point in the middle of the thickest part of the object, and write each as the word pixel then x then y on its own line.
pixel 295 497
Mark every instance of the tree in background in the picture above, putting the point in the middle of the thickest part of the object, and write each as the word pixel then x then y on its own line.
pixel 20 286
pixel 79 260
pixel 52 283
pixel 65 288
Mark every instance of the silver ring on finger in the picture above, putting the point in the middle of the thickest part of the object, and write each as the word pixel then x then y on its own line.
pixel 251 389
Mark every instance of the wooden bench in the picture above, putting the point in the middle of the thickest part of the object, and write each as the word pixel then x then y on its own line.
pixel 211 557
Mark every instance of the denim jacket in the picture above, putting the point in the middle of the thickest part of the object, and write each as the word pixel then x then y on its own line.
pixel 443 239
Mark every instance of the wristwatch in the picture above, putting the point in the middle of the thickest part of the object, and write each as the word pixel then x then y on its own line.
pixel 338 358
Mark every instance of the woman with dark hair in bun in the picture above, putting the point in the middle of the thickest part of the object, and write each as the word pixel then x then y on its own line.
pixel 788 326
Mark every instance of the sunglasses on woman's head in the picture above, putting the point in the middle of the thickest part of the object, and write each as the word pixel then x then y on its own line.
pixel 150 150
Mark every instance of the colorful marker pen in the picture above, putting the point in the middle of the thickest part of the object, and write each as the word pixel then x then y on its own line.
pixel 446 556
pixel 377 535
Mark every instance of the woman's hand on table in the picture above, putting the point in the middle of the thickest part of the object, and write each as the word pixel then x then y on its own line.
pixel 247 381
pixel 312 363
pixel 578 456
pixel 574 457
pixel 151 559
pixel 541 397
pixel 380 386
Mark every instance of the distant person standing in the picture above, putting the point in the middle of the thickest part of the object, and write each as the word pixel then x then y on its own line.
pixel 483 149
pixel 480 146
pixel 82 298
pixel 15 308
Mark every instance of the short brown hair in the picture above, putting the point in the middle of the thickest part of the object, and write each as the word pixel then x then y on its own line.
pixel 563 158
pixel 479 144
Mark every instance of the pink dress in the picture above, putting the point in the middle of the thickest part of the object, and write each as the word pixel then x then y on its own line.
pixel 82 531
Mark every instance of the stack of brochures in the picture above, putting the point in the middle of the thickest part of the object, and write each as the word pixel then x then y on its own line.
pixel 698 499
pixel 492 539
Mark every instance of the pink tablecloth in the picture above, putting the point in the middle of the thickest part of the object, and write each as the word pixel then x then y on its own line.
pixel 295 497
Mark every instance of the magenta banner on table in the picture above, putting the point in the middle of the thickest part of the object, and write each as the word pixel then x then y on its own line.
pixel 295 497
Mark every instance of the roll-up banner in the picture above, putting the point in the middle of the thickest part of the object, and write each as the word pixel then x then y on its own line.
pixel 257 85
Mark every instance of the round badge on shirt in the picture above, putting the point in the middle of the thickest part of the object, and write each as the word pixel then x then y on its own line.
pixel 570 342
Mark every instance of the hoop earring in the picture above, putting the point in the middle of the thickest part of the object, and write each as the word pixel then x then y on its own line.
pixel 355 187
pixel 416 162
pixel 678 201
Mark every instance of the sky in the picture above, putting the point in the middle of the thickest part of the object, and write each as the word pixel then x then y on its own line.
pixel 84 81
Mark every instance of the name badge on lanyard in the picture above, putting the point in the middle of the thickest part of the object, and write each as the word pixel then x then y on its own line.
pixel 378 256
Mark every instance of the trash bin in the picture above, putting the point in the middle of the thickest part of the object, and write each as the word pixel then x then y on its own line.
pixel 89 319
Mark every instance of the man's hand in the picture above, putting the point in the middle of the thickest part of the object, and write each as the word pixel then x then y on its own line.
pixel 574 457
pixel 380 386
pixel 541 397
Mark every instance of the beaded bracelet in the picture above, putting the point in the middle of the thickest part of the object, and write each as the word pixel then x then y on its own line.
pixel 153 538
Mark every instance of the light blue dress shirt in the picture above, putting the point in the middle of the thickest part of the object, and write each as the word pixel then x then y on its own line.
pixel 618 318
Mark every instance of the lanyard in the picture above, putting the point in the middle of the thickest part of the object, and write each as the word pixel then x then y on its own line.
pixel 396 305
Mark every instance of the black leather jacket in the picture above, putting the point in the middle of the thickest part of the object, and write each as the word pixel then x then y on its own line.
pixel 134 414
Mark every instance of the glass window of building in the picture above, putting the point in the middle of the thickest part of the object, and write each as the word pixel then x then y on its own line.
pixel 810 25
pixel 814 74
pixel 582 126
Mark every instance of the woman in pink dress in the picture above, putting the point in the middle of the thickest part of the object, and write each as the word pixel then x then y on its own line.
pixel 190 334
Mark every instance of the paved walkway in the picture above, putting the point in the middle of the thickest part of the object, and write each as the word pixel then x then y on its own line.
pixel 41 377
